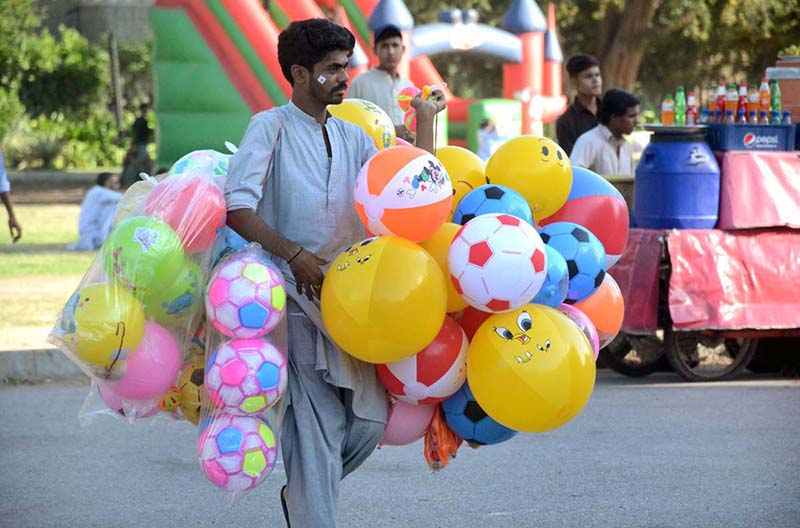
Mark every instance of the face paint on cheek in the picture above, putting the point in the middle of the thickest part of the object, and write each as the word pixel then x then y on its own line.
pixel 321 79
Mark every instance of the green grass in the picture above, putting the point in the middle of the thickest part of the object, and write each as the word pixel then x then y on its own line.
pixel 46 230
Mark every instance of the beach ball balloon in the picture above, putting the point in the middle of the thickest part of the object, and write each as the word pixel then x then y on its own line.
pixel 434 373
pixel 102 324
pixel 192 205
pixel 405 96
pixel 597 205
pixel 466 170
pixel 237 452
pixel 497 262
pixel 585 256
pixel 531 369
pixel 245 376
pixel 369 117
pixel 207 163
pixel 152 368
pixel 410 119
pixel 383 299
pixel 439 248
pixel 406 423
pixel 606 309
pixel 403 192
pixel 556 284
pixel 492 198
pixel 143 253
pixel 246 296
pixel 584 323
pixel 537 168
pixel 175 303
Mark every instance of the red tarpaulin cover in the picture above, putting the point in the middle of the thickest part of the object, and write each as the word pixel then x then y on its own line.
pixel 734 279
pixel 759 189
pixel 637 275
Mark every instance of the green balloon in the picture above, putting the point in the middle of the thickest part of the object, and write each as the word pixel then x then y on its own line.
pixel 143 253
pixel 172 305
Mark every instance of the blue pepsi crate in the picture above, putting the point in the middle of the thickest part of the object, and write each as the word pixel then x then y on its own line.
pixel 750 137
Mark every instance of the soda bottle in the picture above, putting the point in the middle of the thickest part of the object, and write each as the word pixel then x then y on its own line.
pixel 741 119
pixel 762 118
pixel 705 116
pixel 718 117
pixel 752 99
pixel 774 96
pixel 787 118
pixel 668 110
pixel 712 95
pixel 731 98
pixel 728 118
pixel 775 118
pixel 721 101
pixel 742 104
pixel 680 107
pixel 753 118
pixel 691 109
pixel 763 96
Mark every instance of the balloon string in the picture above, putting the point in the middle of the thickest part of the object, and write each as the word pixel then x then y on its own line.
pixel 119 348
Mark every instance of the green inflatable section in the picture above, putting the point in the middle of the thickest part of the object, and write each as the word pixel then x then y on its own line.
pixel 197 107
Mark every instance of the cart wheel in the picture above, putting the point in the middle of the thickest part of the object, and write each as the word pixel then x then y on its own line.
pixel 635 355
pixel 701 357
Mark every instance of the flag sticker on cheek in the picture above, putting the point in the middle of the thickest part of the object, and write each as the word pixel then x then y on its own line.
pixel 321 79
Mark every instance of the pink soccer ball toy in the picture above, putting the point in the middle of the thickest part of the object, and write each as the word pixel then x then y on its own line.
pixel 245 376
pixel 497 262
pixel 237 452
pixel 246 296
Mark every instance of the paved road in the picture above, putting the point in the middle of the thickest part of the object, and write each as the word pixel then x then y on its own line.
pixel 652 453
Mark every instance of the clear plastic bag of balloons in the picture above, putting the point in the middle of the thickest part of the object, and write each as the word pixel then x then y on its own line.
pixel 135 321
pixel 246 371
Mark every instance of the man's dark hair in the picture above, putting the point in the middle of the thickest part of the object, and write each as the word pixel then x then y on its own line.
pixel 578 63
pixel 307 42
pixel 615 103
pixel 387 32
pixel 103 177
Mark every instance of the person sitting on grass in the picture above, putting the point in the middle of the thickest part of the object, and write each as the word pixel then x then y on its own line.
pixel 97 213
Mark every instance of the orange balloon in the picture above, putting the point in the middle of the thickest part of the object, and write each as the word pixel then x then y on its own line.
pixel 439 247
pixel 605 308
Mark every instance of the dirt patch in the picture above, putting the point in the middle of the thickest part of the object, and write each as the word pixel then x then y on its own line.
pixel 40 194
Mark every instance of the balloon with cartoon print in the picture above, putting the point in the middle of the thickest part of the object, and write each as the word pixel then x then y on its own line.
pixel 383 299
pixel 371 118
pixel 535 167
pixel 467 171
pixel 531 369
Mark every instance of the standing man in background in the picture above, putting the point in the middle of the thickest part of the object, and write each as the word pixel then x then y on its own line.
pixel 581 115
pixel 383 83
pixel 5 195
pixel 137 158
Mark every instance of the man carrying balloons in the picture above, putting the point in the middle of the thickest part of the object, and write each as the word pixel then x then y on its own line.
pixel 290 188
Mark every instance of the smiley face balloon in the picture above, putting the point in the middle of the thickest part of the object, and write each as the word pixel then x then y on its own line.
pixel 466 170
pixel 531 369
pixel 535 167
pixel 383 299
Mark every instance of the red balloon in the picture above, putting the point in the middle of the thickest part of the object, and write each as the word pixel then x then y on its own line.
pixel 471 320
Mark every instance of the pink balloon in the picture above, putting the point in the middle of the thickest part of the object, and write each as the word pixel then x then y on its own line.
pixel 403 143
pixel 151 369
pixel 407 423
pixel 192 205
pixel 114 402
pixel 584 323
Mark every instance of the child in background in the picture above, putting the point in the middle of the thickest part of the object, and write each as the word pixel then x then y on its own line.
pixel 489 139
pixel 97 213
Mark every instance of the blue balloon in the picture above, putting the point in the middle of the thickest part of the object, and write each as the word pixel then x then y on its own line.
pixel 492 198
pixel 585 256
pixel 466 418
pixel 556 283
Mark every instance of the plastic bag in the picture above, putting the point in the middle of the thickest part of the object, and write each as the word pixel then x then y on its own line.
pixel 441 443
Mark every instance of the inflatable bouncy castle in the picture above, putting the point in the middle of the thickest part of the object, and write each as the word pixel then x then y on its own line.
pixel 216 64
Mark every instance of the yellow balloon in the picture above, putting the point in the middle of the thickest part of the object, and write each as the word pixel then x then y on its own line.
pixel 370 117
pixel 439 247
pixel 531 369
pixel 465 168
pixel 102 324
pixel 383 299
pixel 535 167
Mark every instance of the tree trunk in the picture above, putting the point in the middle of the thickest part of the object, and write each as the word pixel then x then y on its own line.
pixel 621 39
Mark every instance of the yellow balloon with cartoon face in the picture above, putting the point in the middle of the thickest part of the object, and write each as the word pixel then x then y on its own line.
pixel 383 299
pixel 531 369
pixel 466 170
pixel 535 167
pixel 370 117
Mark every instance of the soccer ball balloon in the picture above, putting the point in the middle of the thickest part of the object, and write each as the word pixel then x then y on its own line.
pixel 585 256
pixel 246 297
pixel 492 199
pixel 237 452
pixel 466 418
pixel 556 285
pixel 497 262
pixel 190 388
pixel 246 376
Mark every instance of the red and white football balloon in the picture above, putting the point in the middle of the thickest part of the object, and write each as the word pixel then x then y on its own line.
pixel 432 375
pixel 497 262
